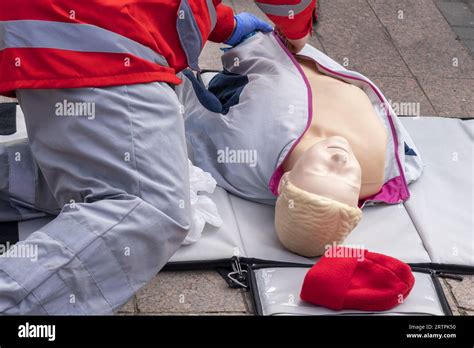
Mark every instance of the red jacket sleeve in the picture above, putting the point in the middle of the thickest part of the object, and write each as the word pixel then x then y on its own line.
pixel 224 24
pixel 293 17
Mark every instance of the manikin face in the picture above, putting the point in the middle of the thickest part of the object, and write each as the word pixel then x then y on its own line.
pixel 330 169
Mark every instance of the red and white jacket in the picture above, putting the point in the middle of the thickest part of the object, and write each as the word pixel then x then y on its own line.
pixel 72 44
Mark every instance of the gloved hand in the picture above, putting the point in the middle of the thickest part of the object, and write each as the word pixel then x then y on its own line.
pixel 246 23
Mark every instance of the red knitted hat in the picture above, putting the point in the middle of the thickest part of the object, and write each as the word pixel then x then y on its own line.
pixel 347 278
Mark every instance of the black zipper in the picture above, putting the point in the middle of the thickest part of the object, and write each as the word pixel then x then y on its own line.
pixel 178 266
pixel 448 276
pixel 257 304
pixel 227 263
pixel 444 268
pixel 435 275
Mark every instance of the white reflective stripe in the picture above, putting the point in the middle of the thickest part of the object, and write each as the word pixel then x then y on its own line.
pixel 212 13
pixel 284 10
pixel 71 37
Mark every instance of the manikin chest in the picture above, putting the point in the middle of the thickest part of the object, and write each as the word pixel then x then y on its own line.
pixel 345 110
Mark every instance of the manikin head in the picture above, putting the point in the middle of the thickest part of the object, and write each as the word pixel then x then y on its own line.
pixel 317 200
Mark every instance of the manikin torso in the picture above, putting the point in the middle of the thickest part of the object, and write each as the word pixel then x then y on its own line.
pixel 340 109
pixel 261 124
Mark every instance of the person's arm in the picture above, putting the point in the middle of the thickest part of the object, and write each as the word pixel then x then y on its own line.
pixel 232 29
pixel 292 17
pixel 225 24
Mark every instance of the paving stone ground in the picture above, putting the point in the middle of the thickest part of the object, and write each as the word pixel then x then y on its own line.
pixel 417 51
pixel 460 16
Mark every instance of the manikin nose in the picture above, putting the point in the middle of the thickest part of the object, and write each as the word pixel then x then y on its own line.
pixel 340 157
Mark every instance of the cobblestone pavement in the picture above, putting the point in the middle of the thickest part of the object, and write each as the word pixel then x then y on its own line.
pixel 417 51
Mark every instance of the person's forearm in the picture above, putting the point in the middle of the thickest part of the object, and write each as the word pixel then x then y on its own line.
pixel 225 24
pixel 292 17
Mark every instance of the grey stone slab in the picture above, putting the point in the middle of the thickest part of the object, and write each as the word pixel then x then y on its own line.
pixel 469 3
pixel 129 307
pixel 463 292
pixel 316 42
pixel 405 95
pixel 228 3
pixel 195 314
pixel 211 56
pixel 424 38
pixel 449 296
pixel 456 12
pixel 189 292
pixel 464 33
pixel 450 97
pixel 248 6
pixel 248 301
pixel 470 45
pixel 352 35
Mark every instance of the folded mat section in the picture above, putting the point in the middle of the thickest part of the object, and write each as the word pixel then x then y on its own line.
pixel 277 292
pixel 441 205
pixel 384 229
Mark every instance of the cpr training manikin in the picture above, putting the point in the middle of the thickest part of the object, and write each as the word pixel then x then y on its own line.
pixel 302 133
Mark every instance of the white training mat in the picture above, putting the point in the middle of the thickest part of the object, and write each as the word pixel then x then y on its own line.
pixel 441 205
pixel 248 231
pixel 434 225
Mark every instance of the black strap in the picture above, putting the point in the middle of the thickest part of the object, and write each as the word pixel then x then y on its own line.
pixel 9 233
pixel 7 118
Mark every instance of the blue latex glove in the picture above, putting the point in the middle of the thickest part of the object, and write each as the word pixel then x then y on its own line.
pixel 246 23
